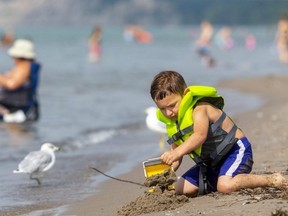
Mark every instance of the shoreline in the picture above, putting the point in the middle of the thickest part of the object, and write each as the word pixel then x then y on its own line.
pixel 111 194
pixel 255 123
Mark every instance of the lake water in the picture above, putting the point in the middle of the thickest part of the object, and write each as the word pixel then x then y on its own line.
pixel 95 112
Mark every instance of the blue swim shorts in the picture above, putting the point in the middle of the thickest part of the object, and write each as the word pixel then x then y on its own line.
pixel 239 160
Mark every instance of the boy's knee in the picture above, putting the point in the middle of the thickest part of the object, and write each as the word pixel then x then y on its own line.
pixel 225 188
pixel 188 193
pixel 184 187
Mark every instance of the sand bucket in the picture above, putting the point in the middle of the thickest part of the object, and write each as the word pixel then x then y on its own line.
pixel 154 166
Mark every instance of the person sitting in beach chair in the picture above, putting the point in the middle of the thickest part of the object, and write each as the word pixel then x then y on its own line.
pixel 197 125
pixel 18 95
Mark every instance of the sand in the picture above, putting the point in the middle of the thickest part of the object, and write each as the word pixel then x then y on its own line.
pixel 266 128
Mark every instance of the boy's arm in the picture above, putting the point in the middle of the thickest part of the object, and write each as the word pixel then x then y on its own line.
pixel 201 124
pixel 176 164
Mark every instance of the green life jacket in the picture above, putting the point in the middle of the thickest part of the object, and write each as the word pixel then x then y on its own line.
pixel 178 131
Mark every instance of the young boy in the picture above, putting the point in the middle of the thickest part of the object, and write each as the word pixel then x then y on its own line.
pixel 197 125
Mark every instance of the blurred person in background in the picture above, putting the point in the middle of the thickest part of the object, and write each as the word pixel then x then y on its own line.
pixel 203 44
pixel 94 44
pixel 224 39
pixel 250 42
pixel 18 93
pixel 282 39
pixel 7 39
pixel 135 33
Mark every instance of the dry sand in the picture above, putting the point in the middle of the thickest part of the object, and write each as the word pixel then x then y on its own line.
pixel 266 128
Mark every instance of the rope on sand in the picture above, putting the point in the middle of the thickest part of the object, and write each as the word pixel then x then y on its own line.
pixel 117 179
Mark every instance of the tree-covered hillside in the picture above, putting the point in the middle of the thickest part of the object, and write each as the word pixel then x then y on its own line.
pixel 231 11
pixel 156 12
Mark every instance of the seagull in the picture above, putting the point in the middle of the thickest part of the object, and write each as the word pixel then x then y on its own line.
pixel 155 125
pixel 38 161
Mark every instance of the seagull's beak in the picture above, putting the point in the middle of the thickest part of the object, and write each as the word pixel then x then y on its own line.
pixel 58 148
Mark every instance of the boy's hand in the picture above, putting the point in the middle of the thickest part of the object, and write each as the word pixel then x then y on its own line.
pixel 169 157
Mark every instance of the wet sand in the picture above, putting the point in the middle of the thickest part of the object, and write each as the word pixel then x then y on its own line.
pixel 266 128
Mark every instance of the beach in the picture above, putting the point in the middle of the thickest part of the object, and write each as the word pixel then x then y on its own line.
pixel 95 113
pixel 266 128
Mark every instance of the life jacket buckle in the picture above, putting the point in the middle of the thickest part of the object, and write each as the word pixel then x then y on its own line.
pixel 175 137
pixel 181 133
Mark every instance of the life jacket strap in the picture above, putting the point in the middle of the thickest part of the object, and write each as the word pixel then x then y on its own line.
pixel 188 129
pixel 180 134
pixel 203 183
pixel 224 147
pixel 217 123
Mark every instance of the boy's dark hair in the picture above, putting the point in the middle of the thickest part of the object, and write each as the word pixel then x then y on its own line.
pixel 166 83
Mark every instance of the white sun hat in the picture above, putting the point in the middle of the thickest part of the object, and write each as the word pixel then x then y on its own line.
pixel 22 48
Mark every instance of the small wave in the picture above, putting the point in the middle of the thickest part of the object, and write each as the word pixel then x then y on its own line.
pixel 87 139
pixel 96 136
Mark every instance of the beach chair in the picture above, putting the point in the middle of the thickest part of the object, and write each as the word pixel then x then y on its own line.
pixel 31 111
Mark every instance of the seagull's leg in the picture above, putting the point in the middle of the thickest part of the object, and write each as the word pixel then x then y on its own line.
pixel 162 141
pixel 36 179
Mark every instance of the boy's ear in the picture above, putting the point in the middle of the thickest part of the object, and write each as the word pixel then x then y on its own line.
pixel 186 91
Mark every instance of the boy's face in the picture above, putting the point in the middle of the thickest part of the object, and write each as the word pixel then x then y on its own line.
pixel 169 106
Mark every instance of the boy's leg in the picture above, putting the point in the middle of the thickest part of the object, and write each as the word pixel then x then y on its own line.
pixel 235 171
pixel 228 184
pixel 185 187
pixel 187 183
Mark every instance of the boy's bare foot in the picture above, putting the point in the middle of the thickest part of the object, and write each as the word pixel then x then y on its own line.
pixel 277 180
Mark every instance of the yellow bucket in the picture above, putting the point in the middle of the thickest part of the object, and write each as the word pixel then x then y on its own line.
pixel 154 166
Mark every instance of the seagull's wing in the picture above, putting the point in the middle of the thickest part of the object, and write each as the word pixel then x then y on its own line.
pixel 35 162
pixel 154 124
pixel 161 127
